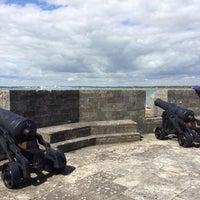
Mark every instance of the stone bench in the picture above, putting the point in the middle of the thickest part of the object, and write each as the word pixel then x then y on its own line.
pixel 73 136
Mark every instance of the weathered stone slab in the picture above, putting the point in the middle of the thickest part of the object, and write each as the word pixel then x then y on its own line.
pixel 82 129
pixel 81 142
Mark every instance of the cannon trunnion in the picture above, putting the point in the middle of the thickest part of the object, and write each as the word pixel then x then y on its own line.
pixel 20 146
pixel 179 121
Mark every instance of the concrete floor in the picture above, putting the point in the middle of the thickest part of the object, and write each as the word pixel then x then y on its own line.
pixel 146 170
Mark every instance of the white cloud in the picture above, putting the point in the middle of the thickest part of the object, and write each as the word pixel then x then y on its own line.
pixel 95 42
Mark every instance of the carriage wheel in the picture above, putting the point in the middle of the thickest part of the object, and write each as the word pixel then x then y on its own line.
pixel 184 140
pixel 159 133
pixel 11 175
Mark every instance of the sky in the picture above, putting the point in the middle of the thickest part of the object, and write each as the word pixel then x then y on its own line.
pixel 99 42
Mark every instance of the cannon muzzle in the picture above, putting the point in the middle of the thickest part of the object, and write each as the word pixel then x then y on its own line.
pixel 19 128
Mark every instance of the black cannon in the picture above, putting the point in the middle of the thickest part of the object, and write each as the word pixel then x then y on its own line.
pixel 179 121
pixel 25 150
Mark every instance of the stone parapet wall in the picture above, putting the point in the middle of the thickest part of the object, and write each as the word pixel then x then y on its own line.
pixel 162 94
pixel 5 100
pixel 44 107
pixel 48 108
pixel 101 105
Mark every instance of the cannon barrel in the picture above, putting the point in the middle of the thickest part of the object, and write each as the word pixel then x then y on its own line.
pixel 19 128
pixel 184 114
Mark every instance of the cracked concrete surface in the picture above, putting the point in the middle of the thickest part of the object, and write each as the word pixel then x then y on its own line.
pixel 146 170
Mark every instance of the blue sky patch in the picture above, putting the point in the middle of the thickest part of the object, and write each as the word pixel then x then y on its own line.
pixel 128 22
pixel 42 4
